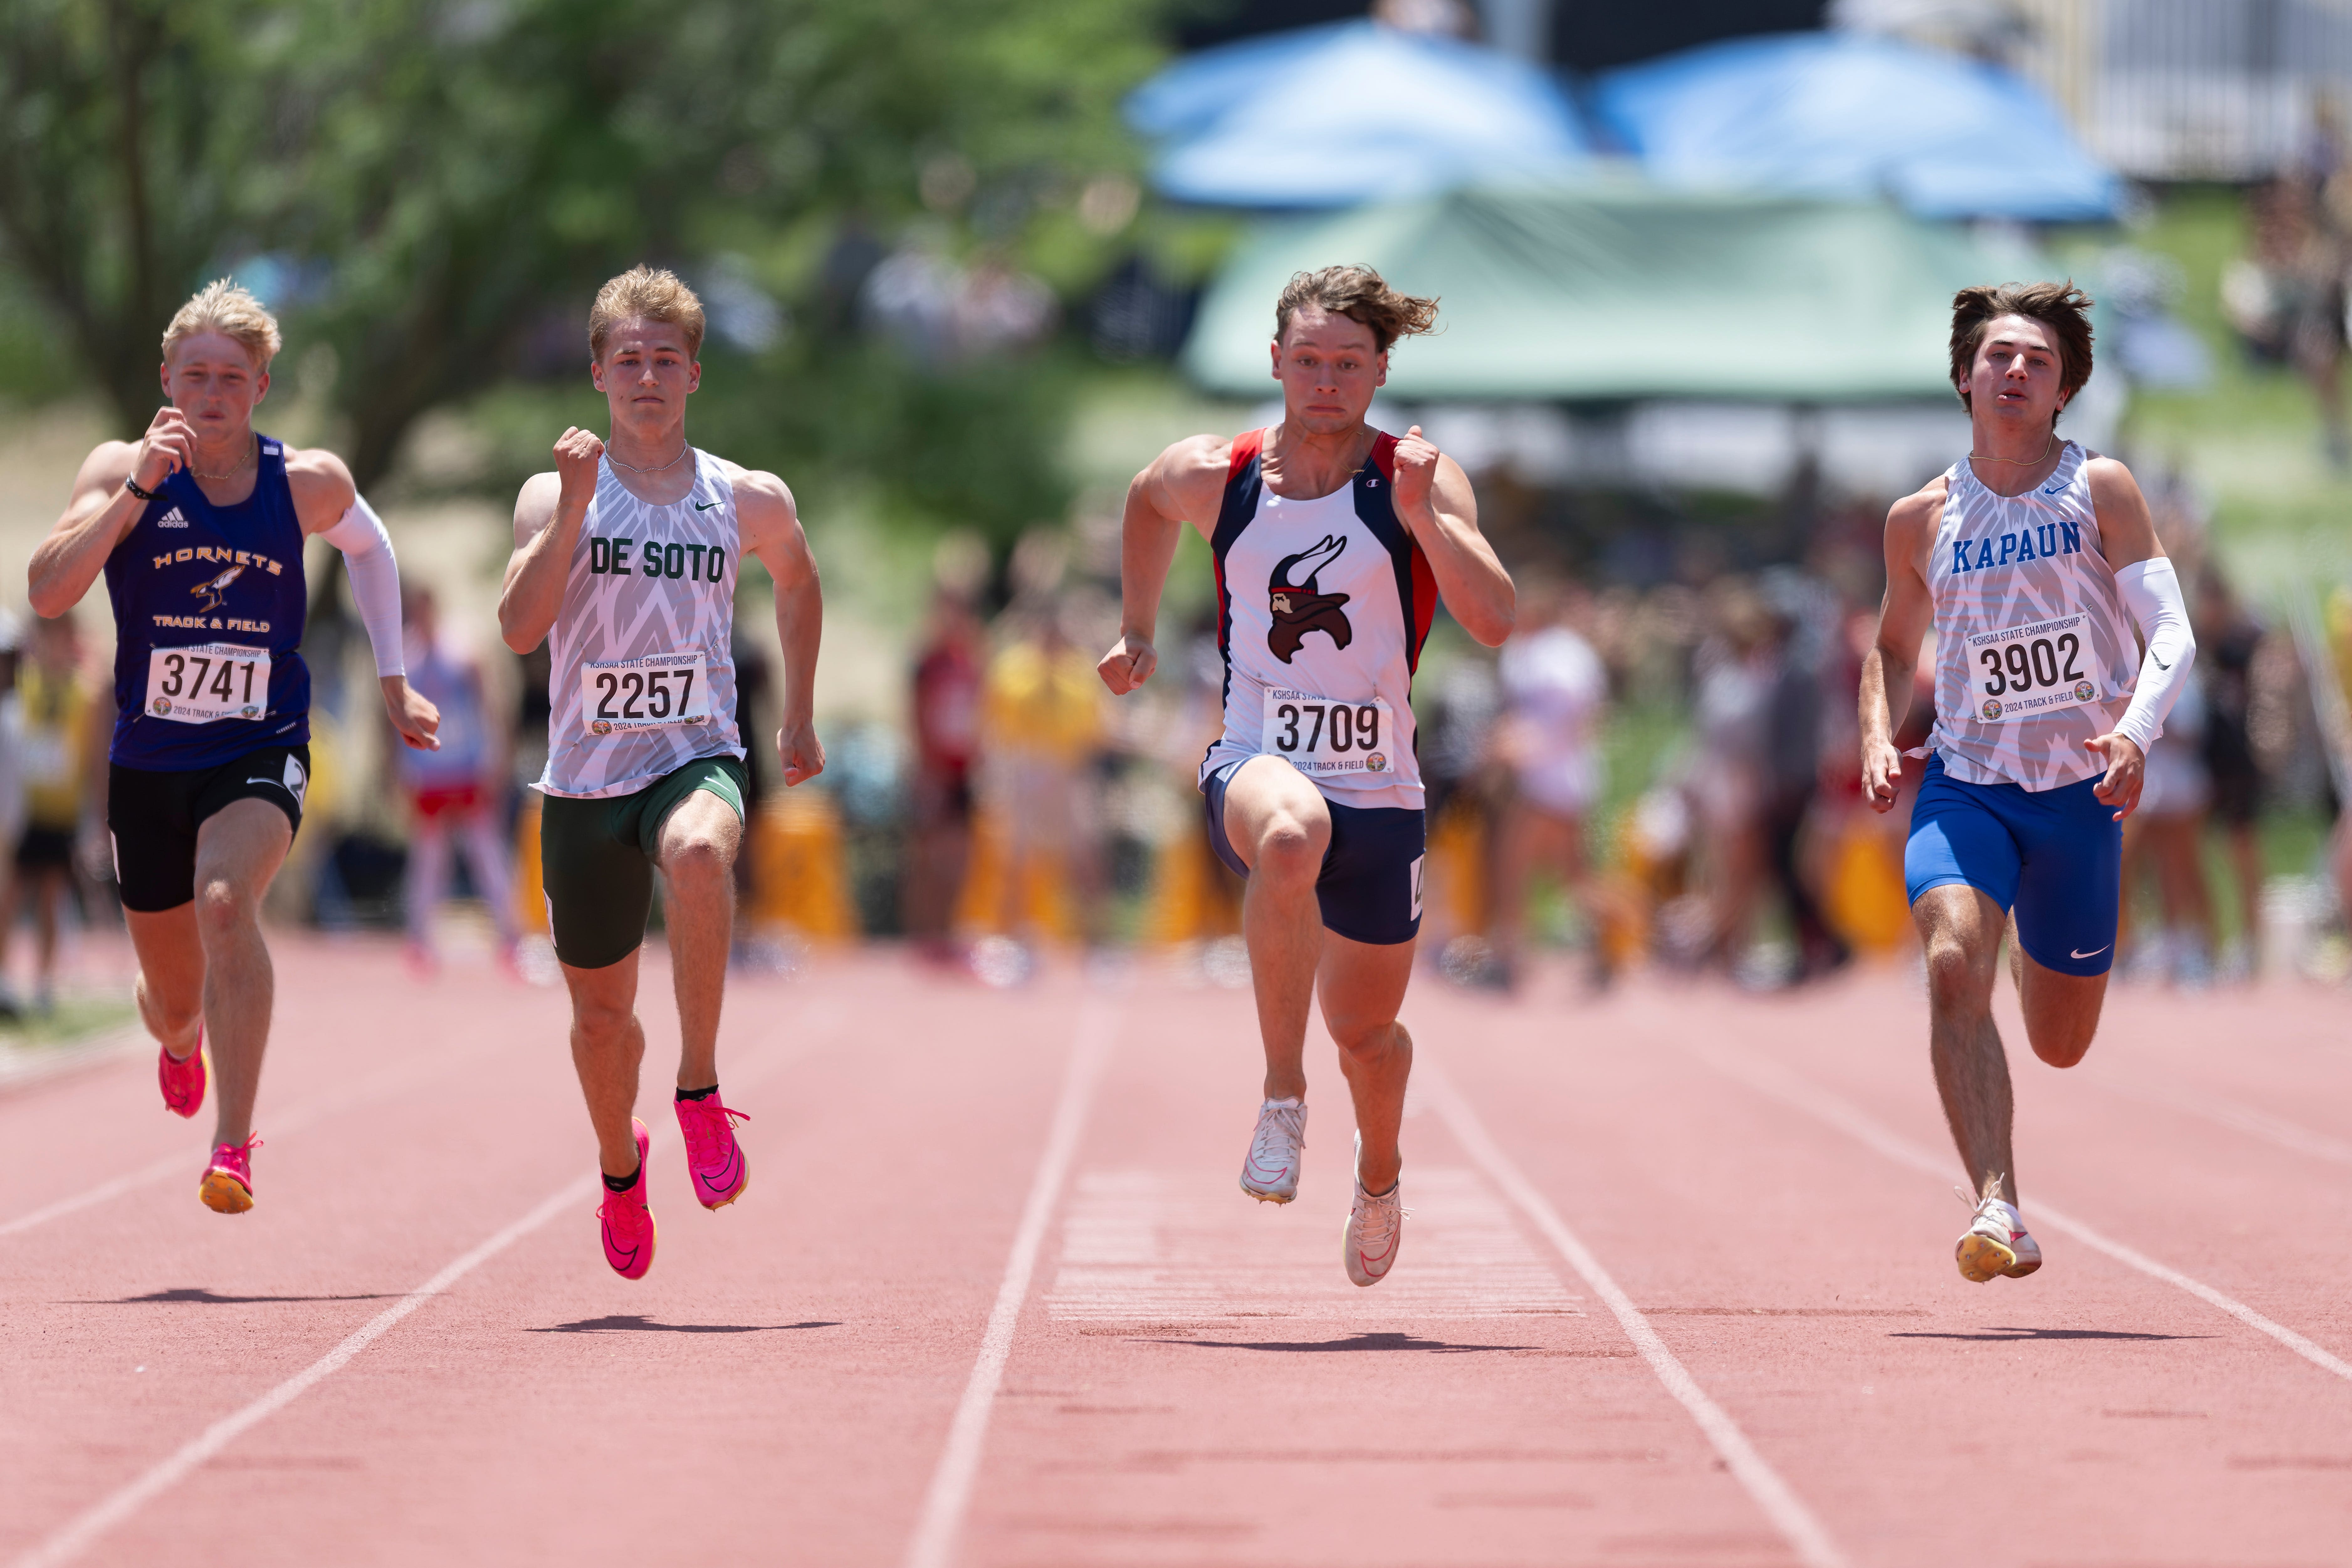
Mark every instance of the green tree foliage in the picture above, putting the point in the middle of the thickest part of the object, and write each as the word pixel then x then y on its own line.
pixel 445 181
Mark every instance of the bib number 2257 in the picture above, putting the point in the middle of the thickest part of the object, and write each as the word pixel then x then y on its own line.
pixel 208 681
pixel 645 693
pixel 1321 735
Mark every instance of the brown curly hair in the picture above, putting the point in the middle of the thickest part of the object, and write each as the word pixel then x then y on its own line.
pixel 1362 295
pixel 2061 307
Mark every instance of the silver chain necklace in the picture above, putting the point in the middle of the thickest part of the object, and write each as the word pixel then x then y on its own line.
pixel 683 450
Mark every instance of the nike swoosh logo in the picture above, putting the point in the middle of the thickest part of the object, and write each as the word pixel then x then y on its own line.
pixel 704 505
pixel 2094 951
pixel 2159 663
pixel 279 783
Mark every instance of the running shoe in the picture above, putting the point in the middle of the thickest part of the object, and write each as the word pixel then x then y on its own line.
pixel 1270 1174
pixel 182 1081
pixel 721 1174
pixel 1996 1242
pixel 227 1187
pixel 628 1223
pixel 1375 1225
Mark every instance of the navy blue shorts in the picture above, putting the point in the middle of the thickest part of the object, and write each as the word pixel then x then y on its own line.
pixel 2055 855
pixel 1370 889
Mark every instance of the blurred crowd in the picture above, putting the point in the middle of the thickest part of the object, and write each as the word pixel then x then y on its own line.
pixel 1649 773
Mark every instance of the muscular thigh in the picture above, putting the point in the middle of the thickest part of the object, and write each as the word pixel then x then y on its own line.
pixel 241 846
pixel 1266 794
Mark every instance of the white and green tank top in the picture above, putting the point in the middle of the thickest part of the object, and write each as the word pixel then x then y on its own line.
pixel 640 681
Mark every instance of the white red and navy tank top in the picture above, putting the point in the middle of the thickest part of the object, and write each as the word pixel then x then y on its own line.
pixel 640 681
pixel 2034 653
pixel 1322 608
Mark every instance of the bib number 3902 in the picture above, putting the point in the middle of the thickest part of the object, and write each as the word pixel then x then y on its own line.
pixel 2033 669
pixel 1321 735
pixel 208 681
pixel 661 689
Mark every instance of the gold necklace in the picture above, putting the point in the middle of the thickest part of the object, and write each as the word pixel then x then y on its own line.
pixel 672 463
pixel 2018 462
pixel 239 466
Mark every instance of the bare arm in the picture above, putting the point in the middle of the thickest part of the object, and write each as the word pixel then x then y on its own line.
pixel 771 531
pixel 102 510
pixel 1435 499
pixel 548 515
pixel 1183 486
pixel 1903 620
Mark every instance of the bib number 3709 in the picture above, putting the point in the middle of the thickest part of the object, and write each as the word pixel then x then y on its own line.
pixel 2033 669
pixel 1321 735
pixel 208 681
pixel 646 693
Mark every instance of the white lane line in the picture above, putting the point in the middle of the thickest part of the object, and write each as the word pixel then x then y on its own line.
pixel 78 1534
pixel 940 1521
pixel 302 1115
pixel 1777 1082
pixel 1795 1522
pixel 2238 1118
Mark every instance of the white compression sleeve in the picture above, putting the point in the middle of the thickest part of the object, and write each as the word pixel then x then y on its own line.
pixel 2151 591
pixel 375 582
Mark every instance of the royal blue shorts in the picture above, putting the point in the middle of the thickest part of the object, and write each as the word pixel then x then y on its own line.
pixel 1370 889
pixel 2055 855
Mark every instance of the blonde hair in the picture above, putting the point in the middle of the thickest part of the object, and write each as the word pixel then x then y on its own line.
pixel 646 294
pixel 225 307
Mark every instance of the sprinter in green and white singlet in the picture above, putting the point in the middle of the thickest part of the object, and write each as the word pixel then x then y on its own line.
pixel 627 556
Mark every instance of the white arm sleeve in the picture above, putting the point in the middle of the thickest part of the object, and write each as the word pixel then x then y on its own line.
pixel 2151 591
pixel 375 582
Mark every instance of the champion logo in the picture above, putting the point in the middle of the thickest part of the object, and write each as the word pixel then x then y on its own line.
pixel 171 519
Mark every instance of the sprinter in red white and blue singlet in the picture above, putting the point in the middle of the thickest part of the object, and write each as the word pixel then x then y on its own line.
pixel 1334 544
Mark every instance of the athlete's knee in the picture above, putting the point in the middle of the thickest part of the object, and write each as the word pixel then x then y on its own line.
pixel 223 908
pixel 2061 1042
pixel 1290 850
pixel 1365 1037
pixel 698 856
pixel 602 1021
pixel 1958 975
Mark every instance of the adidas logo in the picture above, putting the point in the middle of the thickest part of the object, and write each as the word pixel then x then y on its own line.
pixel 171 519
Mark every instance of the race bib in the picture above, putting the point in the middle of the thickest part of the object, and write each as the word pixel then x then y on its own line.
pixel 646 693
pixel 1321 737
pixel 2038 667
pixel 208 681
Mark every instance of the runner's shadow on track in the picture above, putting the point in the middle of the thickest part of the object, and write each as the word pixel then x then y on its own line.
pixel 637 1323
pixel 2017 1336
pixel 1384 1341
pixel 197 1296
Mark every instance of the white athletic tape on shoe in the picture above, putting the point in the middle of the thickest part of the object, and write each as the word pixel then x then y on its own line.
pixel 1805 1534
pixel 949 1494
pixel 1779 1083
pixel 84 1531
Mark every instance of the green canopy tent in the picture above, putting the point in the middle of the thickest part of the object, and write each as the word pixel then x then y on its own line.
pixel 1616 291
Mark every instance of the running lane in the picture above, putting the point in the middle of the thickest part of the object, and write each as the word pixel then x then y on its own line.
pixel 1183 1376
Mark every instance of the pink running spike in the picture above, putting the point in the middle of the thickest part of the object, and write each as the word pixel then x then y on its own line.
pixel 720 1172
pixel 182 1081
pixel 628 1224
pixel 227 1187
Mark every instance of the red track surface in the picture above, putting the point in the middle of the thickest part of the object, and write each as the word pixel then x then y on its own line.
pixel 1185 1377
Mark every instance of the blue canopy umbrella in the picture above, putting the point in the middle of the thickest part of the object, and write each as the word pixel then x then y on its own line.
pixel 1847 114
pixel 1335 115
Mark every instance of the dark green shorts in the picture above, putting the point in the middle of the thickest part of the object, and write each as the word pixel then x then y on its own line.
pixel 596 858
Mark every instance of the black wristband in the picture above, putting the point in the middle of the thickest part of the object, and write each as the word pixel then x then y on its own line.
pixel 132 486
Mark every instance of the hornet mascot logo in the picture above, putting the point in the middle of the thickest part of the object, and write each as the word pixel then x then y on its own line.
pixel 1299 610
pixel 212 592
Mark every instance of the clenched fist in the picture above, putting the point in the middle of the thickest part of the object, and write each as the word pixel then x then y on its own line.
pixel 1416 470
pixel 1128 665
pixel 577 453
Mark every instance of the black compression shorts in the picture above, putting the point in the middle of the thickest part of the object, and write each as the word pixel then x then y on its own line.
pixel 154 816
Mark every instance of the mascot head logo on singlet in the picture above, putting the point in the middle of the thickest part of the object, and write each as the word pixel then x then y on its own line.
pixel 1298 610
pixel 211 592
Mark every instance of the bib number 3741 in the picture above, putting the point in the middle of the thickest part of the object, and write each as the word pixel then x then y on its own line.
pixel 208 681
pixel 661 689
pixel 2033 669
pixel 1322 735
